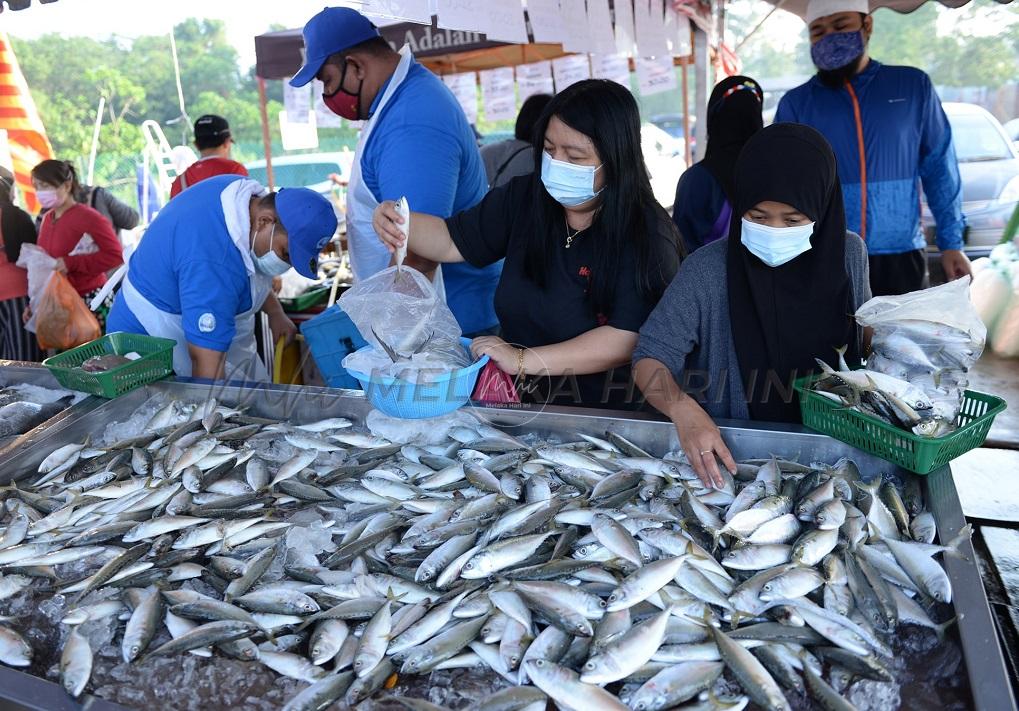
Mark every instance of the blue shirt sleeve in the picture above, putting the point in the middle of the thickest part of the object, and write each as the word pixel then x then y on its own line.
pixel 210 301
pixel 421 162
pixel 939 170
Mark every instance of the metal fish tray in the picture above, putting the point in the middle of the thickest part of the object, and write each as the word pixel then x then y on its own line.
pixel 17 373
pixel 988 678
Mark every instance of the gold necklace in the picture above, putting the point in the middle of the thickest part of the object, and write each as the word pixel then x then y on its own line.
pixel 571 237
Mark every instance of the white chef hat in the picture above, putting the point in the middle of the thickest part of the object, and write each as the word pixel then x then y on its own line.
pixel 823 8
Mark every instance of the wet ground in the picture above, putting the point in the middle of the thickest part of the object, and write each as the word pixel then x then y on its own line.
pixel 988 483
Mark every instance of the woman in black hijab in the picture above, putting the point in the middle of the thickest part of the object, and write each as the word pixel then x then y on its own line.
pixel 704 193
pixel 747 315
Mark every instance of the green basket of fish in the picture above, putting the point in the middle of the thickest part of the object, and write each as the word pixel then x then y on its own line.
pixel 154 361
pixel 918 454
pixel 305 301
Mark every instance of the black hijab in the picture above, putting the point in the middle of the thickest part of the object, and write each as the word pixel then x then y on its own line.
pixel 734 115
pixel 784 317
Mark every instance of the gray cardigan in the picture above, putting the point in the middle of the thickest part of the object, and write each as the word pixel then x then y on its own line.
pixel 690 332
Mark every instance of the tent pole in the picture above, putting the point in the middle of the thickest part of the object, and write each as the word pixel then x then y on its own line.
pixel 266 141
pixel 686 115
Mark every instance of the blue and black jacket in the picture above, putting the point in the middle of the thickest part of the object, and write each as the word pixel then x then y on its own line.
pixel 889 134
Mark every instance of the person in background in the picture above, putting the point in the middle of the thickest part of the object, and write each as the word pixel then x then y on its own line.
pixel 702 208
pixel 748 314
pixel 213 141
pixel 120 215
pixel 890 136
pixel 588 250
pixel 78 237
pixel 16 229
pixel 507 159
pixel 205 267
pixel 415 143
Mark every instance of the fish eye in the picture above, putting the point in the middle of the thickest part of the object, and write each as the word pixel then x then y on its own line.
pixel 469 566
pixel 601 603
pixel 589 666
pixel 539 662
pixel 613 597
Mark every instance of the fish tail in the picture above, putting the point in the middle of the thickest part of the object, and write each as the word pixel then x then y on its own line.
pixel 940 630
pixel 842 357
pixel 964 536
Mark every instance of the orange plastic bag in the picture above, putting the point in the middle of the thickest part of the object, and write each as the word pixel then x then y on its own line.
pixel 62 319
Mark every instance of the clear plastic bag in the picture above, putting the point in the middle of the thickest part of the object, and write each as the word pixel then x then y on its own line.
pixel 39 265
pixel 400 311
pixel 930 338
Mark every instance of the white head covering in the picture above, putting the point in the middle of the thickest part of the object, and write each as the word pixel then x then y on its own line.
pixel 823 8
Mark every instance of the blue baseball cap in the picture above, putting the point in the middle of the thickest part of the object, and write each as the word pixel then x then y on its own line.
pixel 310 223
pixel 330 31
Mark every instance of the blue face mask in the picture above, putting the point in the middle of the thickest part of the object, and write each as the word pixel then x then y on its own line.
pixel 776 245
pixel 269 264
pixel 568 184
pixel 836 50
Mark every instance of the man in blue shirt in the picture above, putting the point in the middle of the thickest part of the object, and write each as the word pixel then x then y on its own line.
pixel 415 143
pixel 890 135
pixel 205 267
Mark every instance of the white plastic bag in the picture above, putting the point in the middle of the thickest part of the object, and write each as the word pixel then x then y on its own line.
pixel 931 338
pixel 1005 337
pixel 40 268
pixel 404 310
pixel 990 295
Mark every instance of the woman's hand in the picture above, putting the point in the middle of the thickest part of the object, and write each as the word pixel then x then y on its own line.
pixel 26 314
pixel 386 221
pixel 702 442
pixel 505 356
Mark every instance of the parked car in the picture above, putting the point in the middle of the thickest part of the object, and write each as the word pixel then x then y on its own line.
pixel 1012 129
pixel 989 167
pixel 672 124
pixel 306 170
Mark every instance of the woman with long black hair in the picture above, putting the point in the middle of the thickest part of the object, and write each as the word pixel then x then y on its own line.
pixel 747 315
pixel 588 250
pixel 704 194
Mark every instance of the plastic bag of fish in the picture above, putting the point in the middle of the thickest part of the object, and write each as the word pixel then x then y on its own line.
pixel 930 339
pixel 413 333
pixel 589 573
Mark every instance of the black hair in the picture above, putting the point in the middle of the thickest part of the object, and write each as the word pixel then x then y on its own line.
pixel 206 142
pixel 607 113
pixel 56 173
pixel 375 46
pixel 268 200
pixel 529 114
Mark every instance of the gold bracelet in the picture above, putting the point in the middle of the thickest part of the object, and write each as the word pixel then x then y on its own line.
pixel 520 362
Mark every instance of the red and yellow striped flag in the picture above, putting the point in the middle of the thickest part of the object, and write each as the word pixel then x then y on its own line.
pixel 26 135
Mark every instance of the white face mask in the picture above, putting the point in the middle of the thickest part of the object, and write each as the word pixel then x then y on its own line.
pixel 568 184
pixel 270 263
pixel 776 245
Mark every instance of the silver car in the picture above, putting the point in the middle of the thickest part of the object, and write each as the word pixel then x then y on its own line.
pixel 989 167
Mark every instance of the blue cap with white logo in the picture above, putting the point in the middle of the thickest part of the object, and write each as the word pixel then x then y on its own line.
pixel 330 31
pixel 310 223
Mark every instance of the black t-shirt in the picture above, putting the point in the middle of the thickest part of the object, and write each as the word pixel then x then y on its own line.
pixel 530 315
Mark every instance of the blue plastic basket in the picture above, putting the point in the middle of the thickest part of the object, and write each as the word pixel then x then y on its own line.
pixel 414 401
pixel 332 336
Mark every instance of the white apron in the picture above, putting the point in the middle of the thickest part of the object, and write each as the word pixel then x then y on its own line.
pixel 368 255
pixel 242 361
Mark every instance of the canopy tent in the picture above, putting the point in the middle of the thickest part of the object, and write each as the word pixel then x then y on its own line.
pixel 278 55
pixel 799 7
pixel 20 4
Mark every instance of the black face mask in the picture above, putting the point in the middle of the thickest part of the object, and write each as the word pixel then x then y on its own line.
pixel 835 78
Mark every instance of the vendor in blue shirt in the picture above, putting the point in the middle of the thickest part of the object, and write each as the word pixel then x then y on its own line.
pixel 890 135
pixel 205 267
pixel 415 143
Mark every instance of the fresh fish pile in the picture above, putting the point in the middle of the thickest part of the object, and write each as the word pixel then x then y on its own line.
pixel 588 573
pixel 930 339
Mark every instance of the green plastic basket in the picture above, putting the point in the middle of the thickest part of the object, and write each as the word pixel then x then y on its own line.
pixel 306 300
pixel 921 455
pixel 156 362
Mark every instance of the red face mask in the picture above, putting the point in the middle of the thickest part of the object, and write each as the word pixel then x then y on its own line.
pixel 342 103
